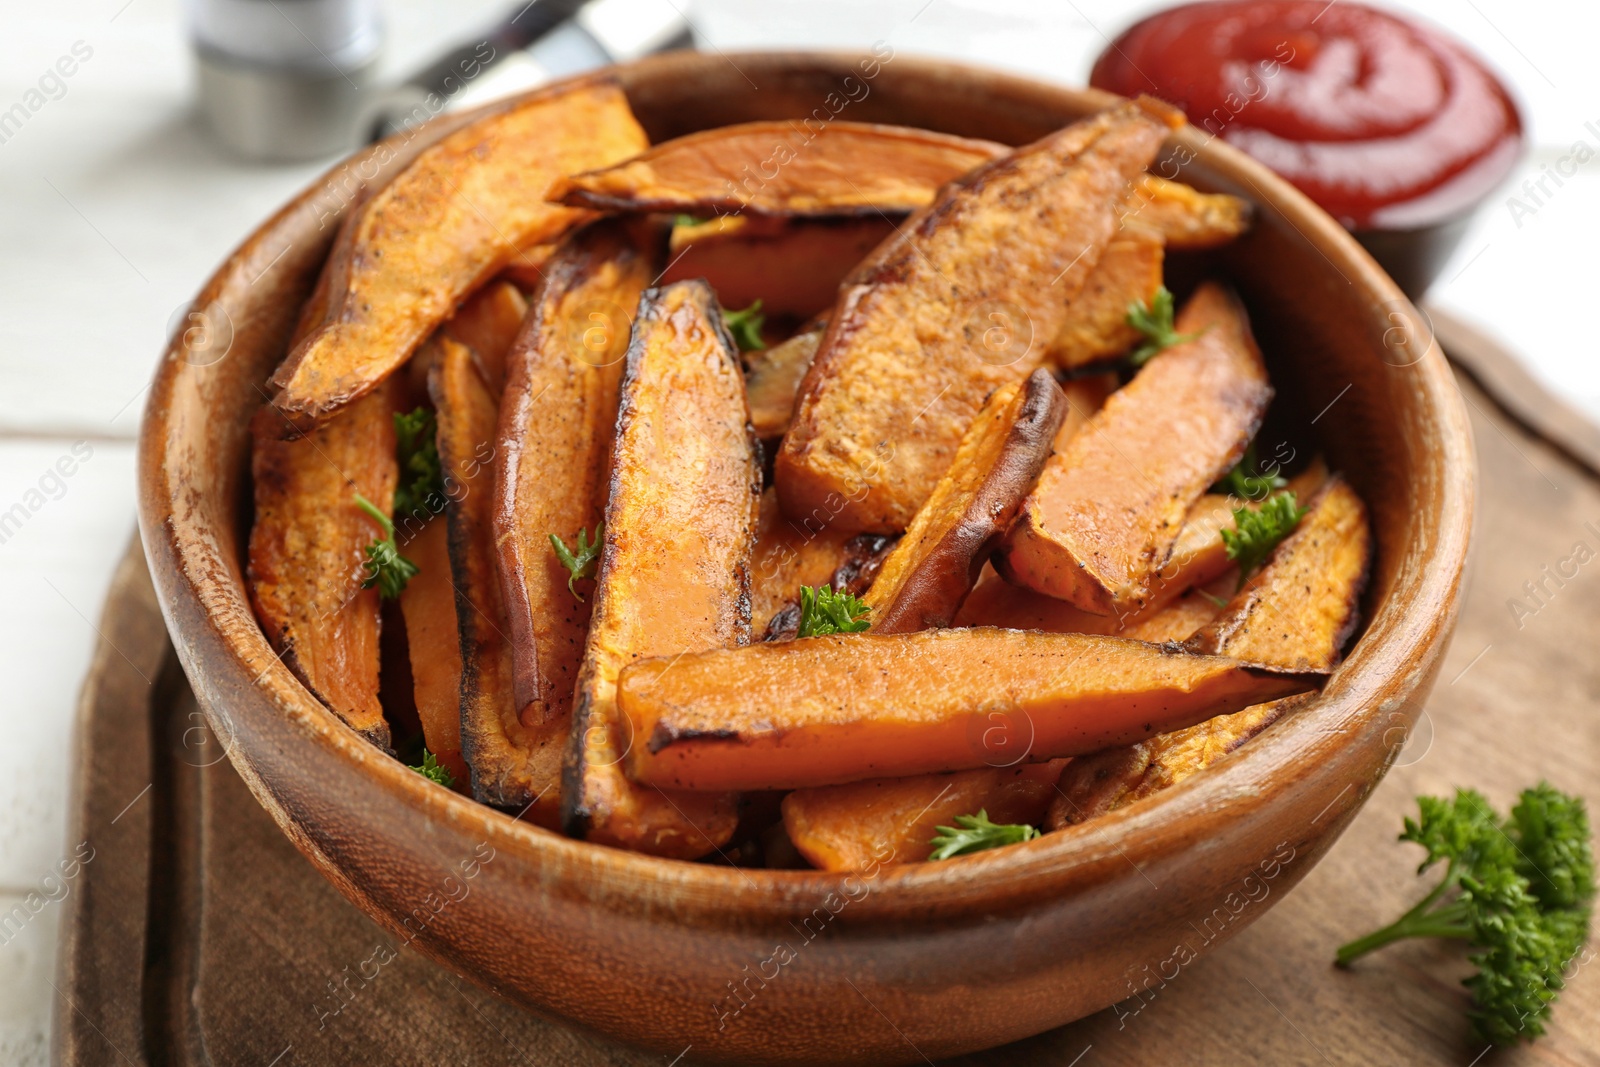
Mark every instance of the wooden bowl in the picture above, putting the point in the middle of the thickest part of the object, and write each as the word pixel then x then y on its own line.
pixel 886 965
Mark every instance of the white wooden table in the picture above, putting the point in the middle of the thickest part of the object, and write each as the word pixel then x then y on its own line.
pixel 114 207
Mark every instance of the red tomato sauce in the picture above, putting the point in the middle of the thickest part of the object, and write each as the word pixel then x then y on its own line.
pixel 1385 123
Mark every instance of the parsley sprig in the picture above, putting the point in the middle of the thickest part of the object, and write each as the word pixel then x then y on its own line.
pixel 582 562
pixel 1520 891
pixel 1257 531
pixel 386 568
pixel 434 771
pixel 1156 321
pixel 745 327
pixel 974 833
pixel 822 611
pixel 421 475
pixel 1243 481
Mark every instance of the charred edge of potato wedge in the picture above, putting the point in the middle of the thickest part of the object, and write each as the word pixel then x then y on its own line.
pixel 306 550
pixel 1300 609
pixel 924 580
pixel 685 462
pixel 862 557
pixel 786 557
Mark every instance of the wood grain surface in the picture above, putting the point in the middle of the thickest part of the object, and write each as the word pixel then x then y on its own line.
pixel 199 935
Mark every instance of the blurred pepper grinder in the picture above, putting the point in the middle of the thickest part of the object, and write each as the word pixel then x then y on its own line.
pixel 285 79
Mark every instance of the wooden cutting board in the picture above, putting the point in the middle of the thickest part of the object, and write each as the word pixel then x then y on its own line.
pixel 196 934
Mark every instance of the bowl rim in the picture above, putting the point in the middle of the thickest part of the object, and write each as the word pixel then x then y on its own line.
pixel 1404 639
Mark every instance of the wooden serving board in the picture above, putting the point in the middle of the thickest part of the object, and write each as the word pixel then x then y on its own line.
pixel 198 935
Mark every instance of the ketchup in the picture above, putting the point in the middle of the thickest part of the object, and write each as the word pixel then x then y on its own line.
pixel 1386 124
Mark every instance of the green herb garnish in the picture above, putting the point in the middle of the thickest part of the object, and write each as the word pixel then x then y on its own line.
pixel 421 476
pixel 974 833
pixel 434 771
pixel 1155 321
pixel 687 220
pixel 1257 531
pixel 1243 481
pixel 386 567
pixel 580 563
pixel 1519 891
pixel 745 326
pixel 822 611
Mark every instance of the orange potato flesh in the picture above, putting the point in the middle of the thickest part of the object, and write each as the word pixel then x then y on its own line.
pixel 844 707
pixel 937 318
pixel 843 167
pixel 525 269
pixel 674 573
pixel 1097 330
pixel 553 445
pixel 786 557
pixel 1104 517
pixel 1184 217
pixel 894 820
pixel 512 766
pixel 407 256
pixel 772 378
pixel 1299 609
pixel 434 643
pixel 487 324
pixel 308 545
pixel 793 267
pixel 925 578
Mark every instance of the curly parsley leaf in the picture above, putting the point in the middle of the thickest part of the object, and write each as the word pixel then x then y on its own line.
pixel 974 833
pixel 1257 531
pixel 580 563
pixel 822 611
pixel 421 475
pixel 745 326
pixel 386 568
pixel 1156 321
pixel 433 770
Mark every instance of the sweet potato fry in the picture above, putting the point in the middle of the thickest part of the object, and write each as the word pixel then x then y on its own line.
pixel 893 820
pixel 782 168
pixel 434 643
pixel 946 312
pixel 487 324
pixel 772 378
pixel 1107 511
pixel 786 557
pixel 407 256
pixel 1299 609
pixel 844 707
pixel 1096 328
pixel 553 445
pixel 1184 217
pixel 511 765
pixel 308 545
pixel 924 580
pixel 674 574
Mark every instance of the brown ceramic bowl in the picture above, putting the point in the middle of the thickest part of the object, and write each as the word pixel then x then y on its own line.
pixel 809 967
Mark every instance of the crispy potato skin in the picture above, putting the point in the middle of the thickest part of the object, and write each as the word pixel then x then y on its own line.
pixel 307 549
pixel 1096 328
pixel 1184 217
pixel 511 767
pixel 786 557
pixel 842 168
pixel 1097 529
pixel 904 704
pixel 407 256
pixel 557 421
pixel 434 644
pixel 675 571
pixel 912 348
pixel 893 820
pixel 772 378
pixel 926 577
pixel 1298 611
pixel 487 324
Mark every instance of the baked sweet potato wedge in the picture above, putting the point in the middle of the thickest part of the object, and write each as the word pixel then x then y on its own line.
pixel 782 168
pixel 844 707
pixel 793 266
pixel 786 557
pixel 860 559
pixel 772 378
pixel 512 766
pixel 674 573
pixel 307 549
pixel 1096 328
pixel 407 256
pixel 1106 512
pixel 433 641
pixel 1184 217
pixel 553 444
pixel 487 324
pixel 912 348
pixel 893 820
pixel 928 574
pixel 1301 607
